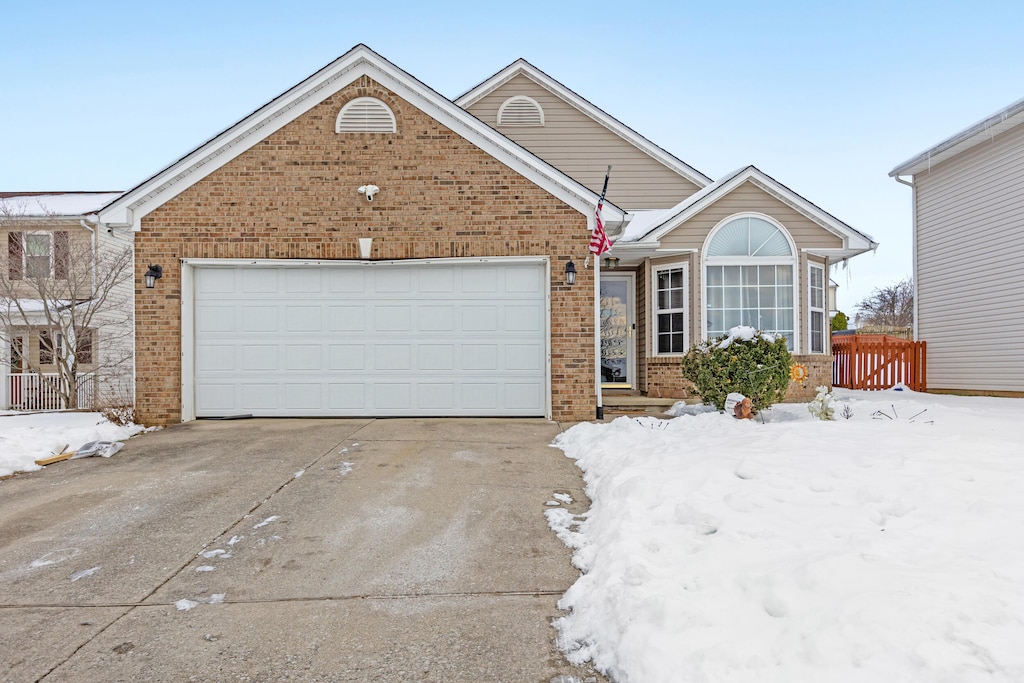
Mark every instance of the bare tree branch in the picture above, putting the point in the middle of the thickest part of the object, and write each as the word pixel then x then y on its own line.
pixel 891 306
pixel 70 290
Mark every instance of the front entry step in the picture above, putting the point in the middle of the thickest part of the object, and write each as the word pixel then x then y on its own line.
pixel 633 403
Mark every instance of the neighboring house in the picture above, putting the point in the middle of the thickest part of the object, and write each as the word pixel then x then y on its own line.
pixel 968 221
pixel 48 284
pixel 363 246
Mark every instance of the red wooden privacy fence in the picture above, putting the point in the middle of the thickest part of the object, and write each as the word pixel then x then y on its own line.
pixel 878 361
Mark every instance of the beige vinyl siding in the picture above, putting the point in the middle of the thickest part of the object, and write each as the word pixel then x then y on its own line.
pixel 970 266
pixel 806 234
pixel 582 148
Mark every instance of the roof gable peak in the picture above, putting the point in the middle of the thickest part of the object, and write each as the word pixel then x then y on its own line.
pixel 521 67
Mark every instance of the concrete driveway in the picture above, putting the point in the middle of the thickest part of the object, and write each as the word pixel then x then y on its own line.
pixel 299 550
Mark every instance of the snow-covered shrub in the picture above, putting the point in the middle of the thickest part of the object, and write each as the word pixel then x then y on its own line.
pixel 755 364
pixel 821 406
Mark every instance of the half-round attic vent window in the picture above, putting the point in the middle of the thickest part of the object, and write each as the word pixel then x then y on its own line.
pixel 749 236
pixel 365 115
pixel 520 110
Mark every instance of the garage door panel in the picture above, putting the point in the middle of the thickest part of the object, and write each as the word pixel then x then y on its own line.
pixel 259 281
pixel 392 318
pixel 216 358
pixel 436 318
pixel 303 319
pixel 260 357
pixel 303 357
pixel 395 340
pixel 259 319
pixel 436 357
pixel 436 281
pixel 480 318
pixel 524 318
pixel 215 319
pixel 346 318
pixel 303 280
pixel 349 396
pixel 347 357
pixel 259 397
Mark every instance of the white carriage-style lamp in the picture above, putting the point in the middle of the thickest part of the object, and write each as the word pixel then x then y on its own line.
pixel 152 275
pixel 570 273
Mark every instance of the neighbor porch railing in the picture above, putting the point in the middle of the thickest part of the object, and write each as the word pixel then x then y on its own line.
pixel 878 361
pixel 30 391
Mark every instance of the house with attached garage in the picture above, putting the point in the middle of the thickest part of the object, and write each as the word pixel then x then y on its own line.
pixel 363 246
pixel 968 238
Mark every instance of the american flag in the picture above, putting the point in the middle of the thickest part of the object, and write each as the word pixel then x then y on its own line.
pixel 599 242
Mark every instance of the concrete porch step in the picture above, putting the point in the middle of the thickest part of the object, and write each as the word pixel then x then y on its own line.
pixel 618 403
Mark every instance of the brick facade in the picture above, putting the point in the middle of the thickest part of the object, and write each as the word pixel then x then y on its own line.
pixel 665 378
pixel 293 196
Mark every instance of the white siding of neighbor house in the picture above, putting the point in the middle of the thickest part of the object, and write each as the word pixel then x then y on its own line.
pixel 970 267
pixel 582 148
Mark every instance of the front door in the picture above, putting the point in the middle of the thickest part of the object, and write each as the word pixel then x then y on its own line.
pixel 617 330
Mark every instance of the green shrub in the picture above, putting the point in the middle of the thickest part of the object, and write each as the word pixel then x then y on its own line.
pixel 752 363
pixel 840 322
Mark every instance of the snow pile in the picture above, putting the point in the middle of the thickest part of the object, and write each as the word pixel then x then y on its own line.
pixel 27 438
pixel 746 334
pixel 884 547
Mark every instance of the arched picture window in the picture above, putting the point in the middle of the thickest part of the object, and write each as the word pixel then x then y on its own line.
pixel 749 278
pixel 365 115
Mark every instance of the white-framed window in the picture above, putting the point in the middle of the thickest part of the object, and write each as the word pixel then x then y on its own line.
pixel 520 110
pixel 366 115
pixel 38 255
pixel 670 293
pixel 816 307
pixel 750 268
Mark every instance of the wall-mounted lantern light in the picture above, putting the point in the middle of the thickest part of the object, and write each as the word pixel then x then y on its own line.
pixel 570 273
pixel 152 275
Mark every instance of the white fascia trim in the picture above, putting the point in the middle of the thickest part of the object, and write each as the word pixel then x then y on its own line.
pixel 982 131
pixel 853 241
pixel 521 66
pixel 130 208
pixel 314 263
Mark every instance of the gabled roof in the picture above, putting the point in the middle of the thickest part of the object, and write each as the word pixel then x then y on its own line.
pixel 55 204
pixel 521 67
pixel 130 207
pixel 984 130
pixel 650 229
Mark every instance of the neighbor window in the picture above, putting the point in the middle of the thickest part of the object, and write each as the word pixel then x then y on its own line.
pixel 749 278
pixel 816 307
pixel 670 319
pixel 38 255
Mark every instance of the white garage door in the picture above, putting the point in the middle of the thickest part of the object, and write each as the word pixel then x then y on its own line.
pixel 378 339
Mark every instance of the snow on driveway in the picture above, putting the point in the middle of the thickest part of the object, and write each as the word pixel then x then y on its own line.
pixel 25 438
pixel 875 548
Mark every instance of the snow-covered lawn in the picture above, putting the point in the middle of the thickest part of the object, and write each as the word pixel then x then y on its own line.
pixel 25 438
pixel 878 548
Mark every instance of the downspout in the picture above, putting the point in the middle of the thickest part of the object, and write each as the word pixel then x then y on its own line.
pixel 913 242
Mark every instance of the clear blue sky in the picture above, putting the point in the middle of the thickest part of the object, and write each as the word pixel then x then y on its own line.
pixel 825 97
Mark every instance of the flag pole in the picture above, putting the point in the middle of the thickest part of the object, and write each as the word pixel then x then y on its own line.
pixel 597 301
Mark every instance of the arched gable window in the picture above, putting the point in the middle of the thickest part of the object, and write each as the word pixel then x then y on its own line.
pixel 365 115
pixel 749 264
pixel 520 110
